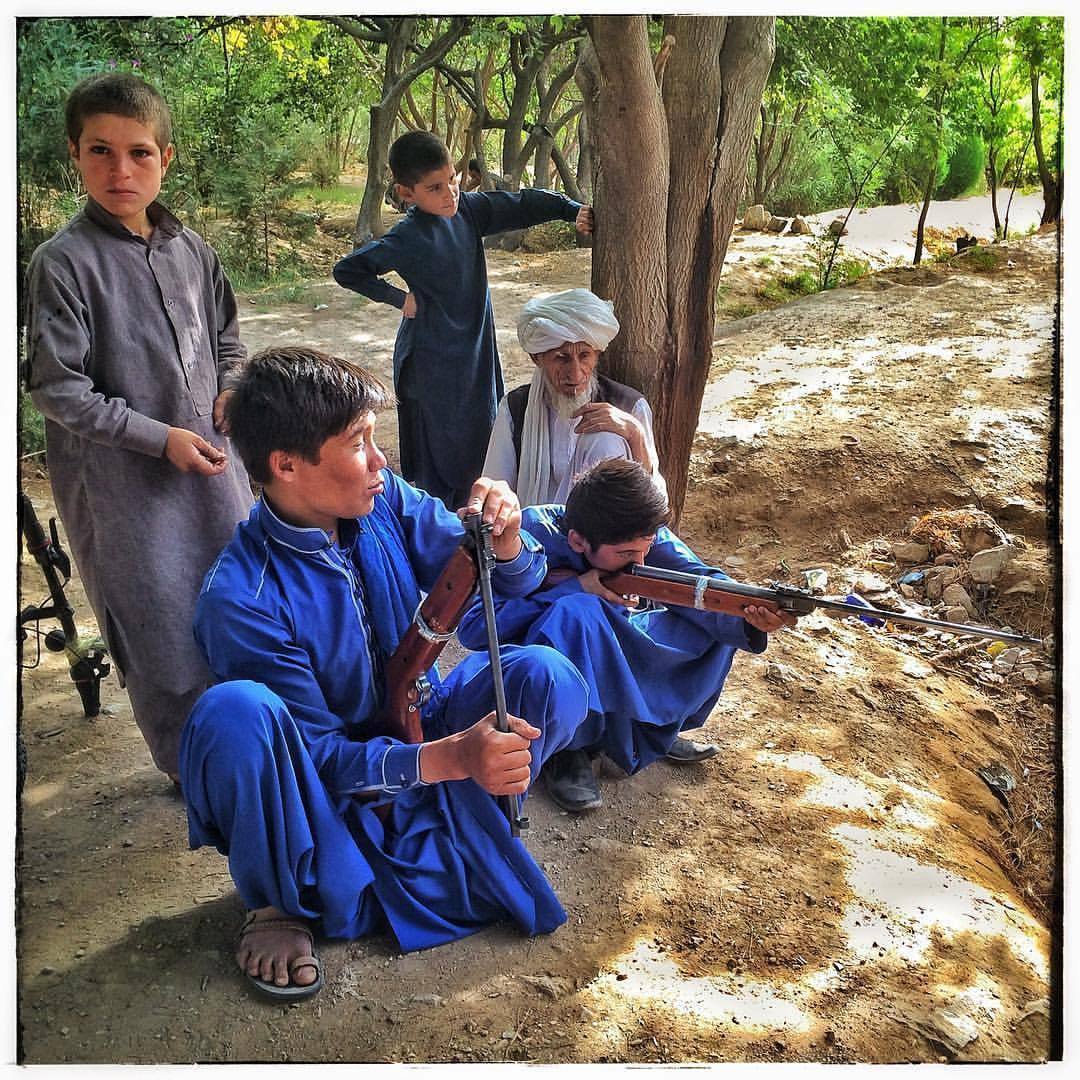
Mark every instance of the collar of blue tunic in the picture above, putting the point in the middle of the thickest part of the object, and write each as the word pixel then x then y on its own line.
pixel 305 539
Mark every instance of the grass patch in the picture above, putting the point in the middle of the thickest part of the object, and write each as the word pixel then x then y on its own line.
pixel 291 291
pixel 336 197
pixel 981 259
pixel 739 310
pixel 764 260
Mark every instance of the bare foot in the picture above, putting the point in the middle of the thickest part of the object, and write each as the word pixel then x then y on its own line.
pixel 271 943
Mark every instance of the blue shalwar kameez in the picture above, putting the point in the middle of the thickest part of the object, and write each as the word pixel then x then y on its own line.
pixel 278 771
pixel 650 673
pixel 446 365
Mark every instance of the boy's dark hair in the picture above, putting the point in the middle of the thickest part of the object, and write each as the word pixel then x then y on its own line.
pixel 294 400
pixel 474 165
pixel 615 501
pixel 415 154
pixel 121 95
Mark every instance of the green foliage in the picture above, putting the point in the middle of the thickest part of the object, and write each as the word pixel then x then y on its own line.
pixel 967 165
pixel 31 426
pixel 738 310
pixel 981 259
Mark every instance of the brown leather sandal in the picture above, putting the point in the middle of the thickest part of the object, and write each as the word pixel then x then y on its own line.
pixel 293 991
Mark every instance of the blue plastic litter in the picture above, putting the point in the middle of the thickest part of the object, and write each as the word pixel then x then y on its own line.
pixel 858 601
pixel 912 578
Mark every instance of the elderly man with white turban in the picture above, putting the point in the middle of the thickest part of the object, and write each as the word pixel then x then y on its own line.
pixel 549 431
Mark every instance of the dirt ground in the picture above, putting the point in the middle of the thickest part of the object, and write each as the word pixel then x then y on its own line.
pixel 840 884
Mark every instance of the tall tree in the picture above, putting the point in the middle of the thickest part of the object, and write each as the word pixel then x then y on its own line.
pixel 671 143
pixel 1042 45
pixel 404 62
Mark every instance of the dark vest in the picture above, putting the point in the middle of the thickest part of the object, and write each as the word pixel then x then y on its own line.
pixel 622 397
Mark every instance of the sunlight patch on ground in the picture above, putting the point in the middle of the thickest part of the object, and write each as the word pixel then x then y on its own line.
pixel 830 789
pixel 1006 423
pixel 36 794
pixel 1021 359
pixel 910 902
pixel 645 976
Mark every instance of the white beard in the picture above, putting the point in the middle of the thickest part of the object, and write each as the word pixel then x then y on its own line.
pixel 564 406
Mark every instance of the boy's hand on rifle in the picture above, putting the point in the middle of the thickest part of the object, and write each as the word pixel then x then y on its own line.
pixel 192 453
pixel 497 760
pixel 584 220
pixel 766 620
pixel 408 309
pixel 590 582
pixel 501 510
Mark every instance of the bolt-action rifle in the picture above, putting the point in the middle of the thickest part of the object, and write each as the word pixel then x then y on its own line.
pixel 433 625
pixel 86 654
pixel 732 597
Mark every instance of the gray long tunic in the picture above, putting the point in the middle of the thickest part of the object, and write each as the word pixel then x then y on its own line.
pixel 126 338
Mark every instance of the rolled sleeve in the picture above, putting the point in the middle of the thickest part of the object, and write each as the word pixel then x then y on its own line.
pixel 524 572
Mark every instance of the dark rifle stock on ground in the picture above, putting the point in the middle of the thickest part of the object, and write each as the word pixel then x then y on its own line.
pixel 733 597
pixel 436 619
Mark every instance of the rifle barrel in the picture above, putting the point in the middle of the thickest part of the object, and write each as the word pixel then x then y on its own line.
pixel 485 556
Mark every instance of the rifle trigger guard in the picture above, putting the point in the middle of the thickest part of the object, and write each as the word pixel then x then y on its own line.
pixel 426 632
pixel 700 588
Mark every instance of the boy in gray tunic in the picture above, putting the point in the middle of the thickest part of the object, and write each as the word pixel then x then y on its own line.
pixel 131 332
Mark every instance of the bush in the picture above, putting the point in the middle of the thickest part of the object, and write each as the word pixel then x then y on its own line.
pixel 967 166
pixel 31 426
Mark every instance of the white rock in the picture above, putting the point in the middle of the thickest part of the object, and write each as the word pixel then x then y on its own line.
pixel 910 552
pixel 938 579
pixel 956 595
pixel 756 217
pixel 986 566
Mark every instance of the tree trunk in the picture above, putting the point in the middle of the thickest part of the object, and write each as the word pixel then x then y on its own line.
pixel 931 178
pixel 397 34
pixel 1051 185
pixel 585 159
pixel 671 170
pixel 569 181
pixel 381 129
pixel 629 133
pixel 993 180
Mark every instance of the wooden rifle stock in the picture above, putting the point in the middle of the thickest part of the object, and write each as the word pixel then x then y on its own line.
pixel 436 619
pixel 680 593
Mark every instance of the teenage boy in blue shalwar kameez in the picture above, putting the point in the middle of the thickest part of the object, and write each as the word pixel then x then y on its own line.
pixel 446 365
pixel 651 673
pixel 280 767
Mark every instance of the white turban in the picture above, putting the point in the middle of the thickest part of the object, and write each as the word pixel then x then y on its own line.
pixel 574 315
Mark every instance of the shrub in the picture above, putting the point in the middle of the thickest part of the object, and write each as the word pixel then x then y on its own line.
pixel 31 426
pixel 967 166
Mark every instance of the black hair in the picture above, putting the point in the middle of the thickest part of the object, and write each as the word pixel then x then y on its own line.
pixel 415 154
pixel 615 501
pixel 121 95
pixel 474 165
pixel 294 400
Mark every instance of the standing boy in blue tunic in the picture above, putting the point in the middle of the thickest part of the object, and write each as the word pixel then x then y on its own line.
pixel 651 673
pixel 446 364
pixel 282 764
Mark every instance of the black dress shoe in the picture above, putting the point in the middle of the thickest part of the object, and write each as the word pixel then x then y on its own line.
pixel 570 781
pixel 687 752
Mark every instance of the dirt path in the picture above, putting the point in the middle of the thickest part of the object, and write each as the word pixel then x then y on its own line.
pixel 839 885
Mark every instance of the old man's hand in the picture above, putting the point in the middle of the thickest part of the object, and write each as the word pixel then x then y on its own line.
pixel 501 510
